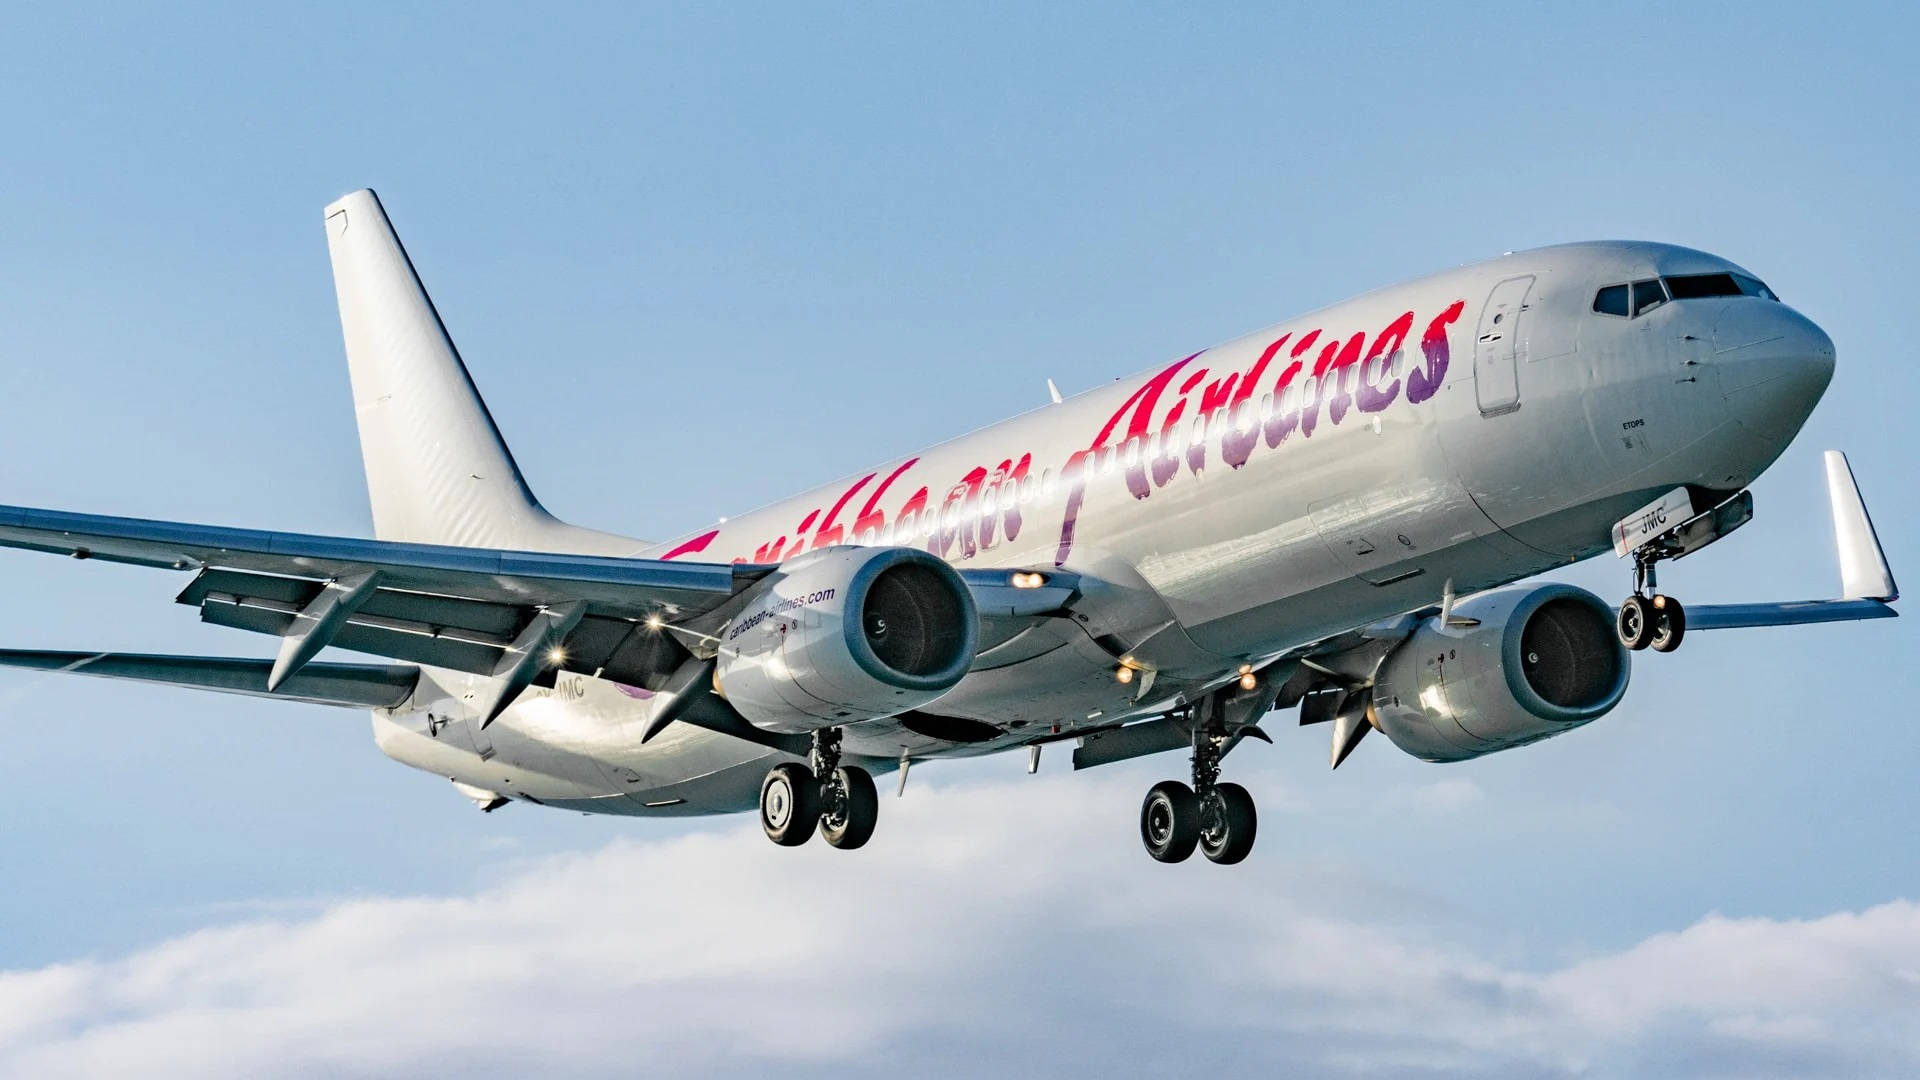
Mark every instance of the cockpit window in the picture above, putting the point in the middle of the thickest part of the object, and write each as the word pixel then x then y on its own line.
pixel 1694 286
pixel 1647 295
pixel 1644 296
pixel 1611 300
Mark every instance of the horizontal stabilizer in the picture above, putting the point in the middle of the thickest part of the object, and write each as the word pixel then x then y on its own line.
pixel 358 686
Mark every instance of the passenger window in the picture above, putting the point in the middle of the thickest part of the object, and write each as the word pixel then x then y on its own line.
pixel 1611 300
pixel 1696 286
pixel 1647 295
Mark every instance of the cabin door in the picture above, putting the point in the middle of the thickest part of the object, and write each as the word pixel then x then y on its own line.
pixel 1497 348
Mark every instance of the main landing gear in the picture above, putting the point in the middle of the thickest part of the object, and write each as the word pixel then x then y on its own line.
pixel 1217 818
pixel 1649 619
pixel 838 800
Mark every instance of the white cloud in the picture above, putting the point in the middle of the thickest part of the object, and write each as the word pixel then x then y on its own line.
pixel 989 928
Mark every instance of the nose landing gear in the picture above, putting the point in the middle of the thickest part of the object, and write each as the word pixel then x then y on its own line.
pixel 1218 818
pixel 1649 619
pixel 838 800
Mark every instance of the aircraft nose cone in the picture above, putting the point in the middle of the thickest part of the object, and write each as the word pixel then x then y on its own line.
pixel 1773 363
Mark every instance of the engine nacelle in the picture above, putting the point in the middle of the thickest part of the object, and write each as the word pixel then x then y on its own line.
pixel 1538 662
pixel 846 634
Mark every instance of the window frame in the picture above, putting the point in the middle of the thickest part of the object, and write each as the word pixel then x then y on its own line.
pixel 1633 296
pixel 1595 306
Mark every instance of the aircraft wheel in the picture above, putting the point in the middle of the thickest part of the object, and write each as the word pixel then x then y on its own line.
pixel 1170 821
pixel 1228 835
pixel 1669 624
pixel 789 804
pixel 849 822
pixel 1634 622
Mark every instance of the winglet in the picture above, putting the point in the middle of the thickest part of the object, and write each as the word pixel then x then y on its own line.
pixel 1864 574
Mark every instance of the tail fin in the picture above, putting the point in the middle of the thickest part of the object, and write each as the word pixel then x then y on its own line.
pixel 438 471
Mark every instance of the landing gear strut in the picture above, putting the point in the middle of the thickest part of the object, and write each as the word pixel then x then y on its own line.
pixel 1217 818
pixel 838 800
pixel 1650 619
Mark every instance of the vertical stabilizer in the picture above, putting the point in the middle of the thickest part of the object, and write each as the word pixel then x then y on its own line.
pixel 438 471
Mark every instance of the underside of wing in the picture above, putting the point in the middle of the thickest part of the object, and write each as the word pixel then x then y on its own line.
pixel 518 618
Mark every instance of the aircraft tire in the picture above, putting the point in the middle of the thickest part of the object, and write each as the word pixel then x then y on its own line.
pixel 1232 825
pixel 1170 821
pixel 853 825
pixel 789 804
pixel 1634 623
pixel 1669 624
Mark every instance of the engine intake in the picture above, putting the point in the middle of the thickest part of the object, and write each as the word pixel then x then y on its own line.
pixel 1536 663
pixel 846 634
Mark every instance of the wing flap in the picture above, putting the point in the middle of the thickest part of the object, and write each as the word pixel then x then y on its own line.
pixel 359 686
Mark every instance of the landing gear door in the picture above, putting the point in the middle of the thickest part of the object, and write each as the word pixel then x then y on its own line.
pixel 1497 345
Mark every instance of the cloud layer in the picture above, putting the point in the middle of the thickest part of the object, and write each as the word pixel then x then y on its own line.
pixel 964 940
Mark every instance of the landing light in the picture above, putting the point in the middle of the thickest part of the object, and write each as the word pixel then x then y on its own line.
pixel 655 622
pixel 1028 579
pixel 1124 674
pixel 556 656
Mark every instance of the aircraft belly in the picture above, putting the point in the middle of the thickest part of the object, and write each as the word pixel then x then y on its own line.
pixel 1072 686
pixel 575 744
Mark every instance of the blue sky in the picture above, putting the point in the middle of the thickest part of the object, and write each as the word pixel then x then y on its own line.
pixel 701 259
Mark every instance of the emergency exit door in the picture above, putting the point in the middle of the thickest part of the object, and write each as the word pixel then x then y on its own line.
pixel 1497 347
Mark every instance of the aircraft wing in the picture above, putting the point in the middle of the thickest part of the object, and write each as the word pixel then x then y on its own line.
pixel 460 608
pixel 513 615
pixel 1866 581
pixel 359 686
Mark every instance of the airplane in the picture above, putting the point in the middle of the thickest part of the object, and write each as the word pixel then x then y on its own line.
pixel 1327 515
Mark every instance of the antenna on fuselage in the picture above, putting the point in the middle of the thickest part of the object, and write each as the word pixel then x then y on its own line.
pixel 1053 390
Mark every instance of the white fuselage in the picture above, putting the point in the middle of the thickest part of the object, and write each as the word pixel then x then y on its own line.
pixel 1474 427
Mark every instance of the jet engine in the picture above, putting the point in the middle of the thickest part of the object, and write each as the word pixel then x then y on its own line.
pixel 1508 668
pixel 846 634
